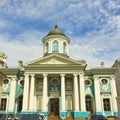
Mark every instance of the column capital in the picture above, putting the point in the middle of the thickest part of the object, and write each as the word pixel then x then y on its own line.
pixel 75 74
pixel 62 75
pixel 32 75
pixel 26 74
pixel 112 78
pixel 14 78
pixel 95 77
pixel 81 74
pixel 45 74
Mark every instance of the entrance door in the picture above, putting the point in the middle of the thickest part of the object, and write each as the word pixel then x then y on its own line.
pixel 54 106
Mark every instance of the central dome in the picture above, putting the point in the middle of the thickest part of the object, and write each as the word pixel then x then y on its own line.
pixel 56 42
pixel 56 31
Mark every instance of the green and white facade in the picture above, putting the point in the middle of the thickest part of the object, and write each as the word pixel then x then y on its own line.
pixel 57 85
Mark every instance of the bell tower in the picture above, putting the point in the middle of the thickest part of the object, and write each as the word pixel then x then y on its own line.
pixel 56 42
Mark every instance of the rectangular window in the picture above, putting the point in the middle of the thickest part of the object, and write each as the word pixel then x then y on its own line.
pixel 106 104
pixel 3 104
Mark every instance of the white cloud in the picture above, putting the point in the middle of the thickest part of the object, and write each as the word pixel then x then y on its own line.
pixel 93 27
pixel 27 48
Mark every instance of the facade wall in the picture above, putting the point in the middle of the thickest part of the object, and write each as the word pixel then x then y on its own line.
pixel 40 89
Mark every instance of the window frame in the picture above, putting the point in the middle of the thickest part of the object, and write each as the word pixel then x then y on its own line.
pixel 107 104
pixel 2 107
pixel 55 47
pixel 88 102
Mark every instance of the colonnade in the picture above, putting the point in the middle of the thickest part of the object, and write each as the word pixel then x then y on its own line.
pixel 29 90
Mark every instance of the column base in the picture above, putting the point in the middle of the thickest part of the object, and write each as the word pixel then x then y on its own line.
pixel 11 112
pixel 29 112
pixel 98 113
pixel 78 114
pixel 116 114
pixel 63 114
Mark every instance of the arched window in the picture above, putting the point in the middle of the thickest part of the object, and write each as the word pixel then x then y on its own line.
pixel 55 46
pixel 88 101
pixel 64 47
pixel 46 47
pixel 20 103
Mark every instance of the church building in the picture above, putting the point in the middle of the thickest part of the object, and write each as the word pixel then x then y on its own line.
pixel 57 85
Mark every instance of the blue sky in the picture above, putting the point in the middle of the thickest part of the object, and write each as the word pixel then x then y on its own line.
pixel 93 27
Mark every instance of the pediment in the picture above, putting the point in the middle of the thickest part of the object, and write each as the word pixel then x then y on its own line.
pixel 54 59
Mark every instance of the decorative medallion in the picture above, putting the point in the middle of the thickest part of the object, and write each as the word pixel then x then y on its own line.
pixel 88 82
pixel 104 81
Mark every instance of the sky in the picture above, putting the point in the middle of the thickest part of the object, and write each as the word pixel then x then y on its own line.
pixel 93 27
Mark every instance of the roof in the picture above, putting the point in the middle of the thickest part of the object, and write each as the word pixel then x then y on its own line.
pixel 55 61
pixel 117 62
pixel 101 71
pixel 56 32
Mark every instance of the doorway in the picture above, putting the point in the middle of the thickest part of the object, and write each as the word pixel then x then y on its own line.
pixel 20 103
pixel 54 107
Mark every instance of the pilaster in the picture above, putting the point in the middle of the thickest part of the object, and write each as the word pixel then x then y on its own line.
pixel 97 95
pixel 11 106
pixel 26 94
pixel 82 93
pixel 76 98
pixel 45 94
pixel 32 91
pixel 114 93
pixel 63 92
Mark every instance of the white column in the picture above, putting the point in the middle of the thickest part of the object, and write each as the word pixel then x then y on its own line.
pixel 63 92
pixel 11 106
pixel 32 90
pixel 97 95
pixel 114 94
pixel 76 98
pixel 26 94
pixel 82 93
pixel 45 94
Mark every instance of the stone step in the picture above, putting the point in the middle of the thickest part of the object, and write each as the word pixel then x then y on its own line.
pixel 68 118
pixel 53 118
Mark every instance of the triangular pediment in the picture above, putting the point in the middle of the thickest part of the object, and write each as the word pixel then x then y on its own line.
pixel 54 59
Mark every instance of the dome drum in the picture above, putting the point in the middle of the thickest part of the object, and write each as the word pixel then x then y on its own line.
pixel 56 42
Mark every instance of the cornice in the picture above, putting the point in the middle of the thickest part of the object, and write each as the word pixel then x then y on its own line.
pixel 55 36
pixel 10 71
pixel 70 61
pixel 117 62
pixel 100 70
pixel 53 66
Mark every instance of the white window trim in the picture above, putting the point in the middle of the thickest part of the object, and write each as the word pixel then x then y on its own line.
pixel 2 97
pixel 104 97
